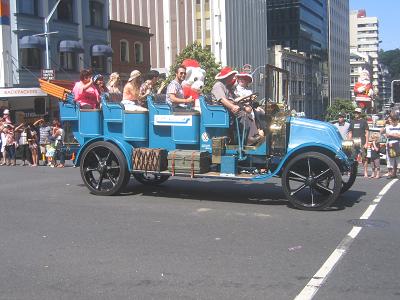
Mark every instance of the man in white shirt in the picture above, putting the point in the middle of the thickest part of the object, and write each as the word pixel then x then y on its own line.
pixel 342 125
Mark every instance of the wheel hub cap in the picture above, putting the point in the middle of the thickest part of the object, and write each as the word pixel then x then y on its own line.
pixel 310 181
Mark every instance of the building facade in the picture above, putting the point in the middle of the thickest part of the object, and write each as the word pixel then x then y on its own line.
pixel 131 46
pixel 339 49
pixel 364 36
pixel 385 92
pixel 302 25
pixel 234 30
pixel 77 34
pixel 294 62
pixel 298 24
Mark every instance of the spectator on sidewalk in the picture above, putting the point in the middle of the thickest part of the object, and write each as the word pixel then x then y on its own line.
pixel 359 129
pixel 23 144
pixel 392 133
pixel 9 144
pixel 375 155
pixel 2 143
pixel 33 145
pixel 342 125
pixel 58 135
pixel 44 134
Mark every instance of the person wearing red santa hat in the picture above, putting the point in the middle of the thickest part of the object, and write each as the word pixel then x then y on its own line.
pixel 223 92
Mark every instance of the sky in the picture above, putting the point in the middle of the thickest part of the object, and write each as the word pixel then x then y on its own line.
pixel 388 13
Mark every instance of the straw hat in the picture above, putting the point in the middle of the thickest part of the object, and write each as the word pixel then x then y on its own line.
pixel 134 74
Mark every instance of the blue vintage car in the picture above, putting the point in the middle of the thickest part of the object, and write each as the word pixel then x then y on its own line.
pixel 314 163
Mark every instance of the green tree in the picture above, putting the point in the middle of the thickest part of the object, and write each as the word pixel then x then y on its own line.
pixel 339 106
pixel 391 59
pixel 206 60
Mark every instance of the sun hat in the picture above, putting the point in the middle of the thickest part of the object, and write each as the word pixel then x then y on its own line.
pixel 225 72
pixel 358 110
pixel 6 112
pixel 134 74
pixel 341 114
pixel 97 77
pixel 244 76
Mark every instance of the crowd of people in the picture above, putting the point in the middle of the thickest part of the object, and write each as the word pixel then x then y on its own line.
pixel 38 141
pixel 88 89
pixel 229 88
pixel 370 151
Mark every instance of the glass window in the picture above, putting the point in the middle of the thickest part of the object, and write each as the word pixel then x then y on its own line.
pixel 68 61
pixel 99 64
pixel 124 50
pixel 138 53
pixel 31 58
pixel 64 11
pixel 96 14
pixel 28 7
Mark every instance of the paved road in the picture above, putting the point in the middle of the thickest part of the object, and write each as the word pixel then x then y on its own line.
pixel 187 240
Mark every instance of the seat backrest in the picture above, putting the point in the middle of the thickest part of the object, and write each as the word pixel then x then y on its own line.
pixel 115 97
pixel 160 99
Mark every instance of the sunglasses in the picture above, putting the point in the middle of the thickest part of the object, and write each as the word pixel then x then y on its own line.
pixel 182 73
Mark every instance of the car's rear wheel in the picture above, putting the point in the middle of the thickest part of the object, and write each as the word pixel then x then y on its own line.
pixel 104 169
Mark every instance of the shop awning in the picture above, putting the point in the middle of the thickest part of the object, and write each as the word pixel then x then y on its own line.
pixel 102 50
pixel 31 41
pixel 71 46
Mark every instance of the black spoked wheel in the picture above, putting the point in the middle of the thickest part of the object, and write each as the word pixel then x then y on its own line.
pixel 348 178
pixel 104 169
pixel 311 181
pixel 150 179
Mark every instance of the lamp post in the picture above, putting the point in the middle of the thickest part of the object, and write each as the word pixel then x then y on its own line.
pixel 46 33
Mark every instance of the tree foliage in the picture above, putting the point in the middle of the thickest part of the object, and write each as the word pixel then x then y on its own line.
pixel 391 59
pixel 339 106
pixel 206 60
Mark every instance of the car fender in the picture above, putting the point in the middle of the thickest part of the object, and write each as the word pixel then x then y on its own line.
pixel 306 147
pixel 125 147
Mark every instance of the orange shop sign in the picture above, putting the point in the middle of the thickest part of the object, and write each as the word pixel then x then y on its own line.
pixel 22 92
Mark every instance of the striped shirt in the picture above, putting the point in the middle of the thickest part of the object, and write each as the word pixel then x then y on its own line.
pixel 175 88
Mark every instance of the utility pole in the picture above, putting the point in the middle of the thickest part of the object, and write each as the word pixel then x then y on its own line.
pixel 47 33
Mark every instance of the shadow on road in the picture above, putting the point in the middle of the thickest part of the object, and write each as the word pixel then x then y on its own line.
pixel 216 190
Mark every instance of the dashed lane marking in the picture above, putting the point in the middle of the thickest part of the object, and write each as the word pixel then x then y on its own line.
pixel 322 274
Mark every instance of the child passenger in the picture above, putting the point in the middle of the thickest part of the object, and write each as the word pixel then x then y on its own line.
pixel 375 158
pixel 255 112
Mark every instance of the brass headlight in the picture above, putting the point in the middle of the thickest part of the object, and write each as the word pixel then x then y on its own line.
pixel 350 147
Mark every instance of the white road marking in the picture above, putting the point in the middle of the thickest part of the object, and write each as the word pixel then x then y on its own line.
pixel 322 274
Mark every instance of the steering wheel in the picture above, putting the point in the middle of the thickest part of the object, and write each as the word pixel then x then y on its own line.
pixel 246 99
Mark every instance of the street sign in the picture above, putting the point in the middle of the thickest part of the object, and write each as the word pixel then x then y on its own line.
pixel 396 91
pixel 48 74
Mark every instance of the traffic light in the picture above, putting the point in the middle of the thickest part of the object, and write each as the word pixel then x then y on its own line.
pixel 396 91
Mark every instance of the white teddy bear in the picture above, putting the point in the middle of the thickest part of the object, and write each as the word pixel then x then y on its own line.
pixel 194 80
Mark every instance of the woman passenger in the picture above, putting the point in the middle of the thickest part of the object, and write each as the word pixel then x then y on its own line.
pixel 99 83
pixel 133 100
pixel 114 83
pixel 86 94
